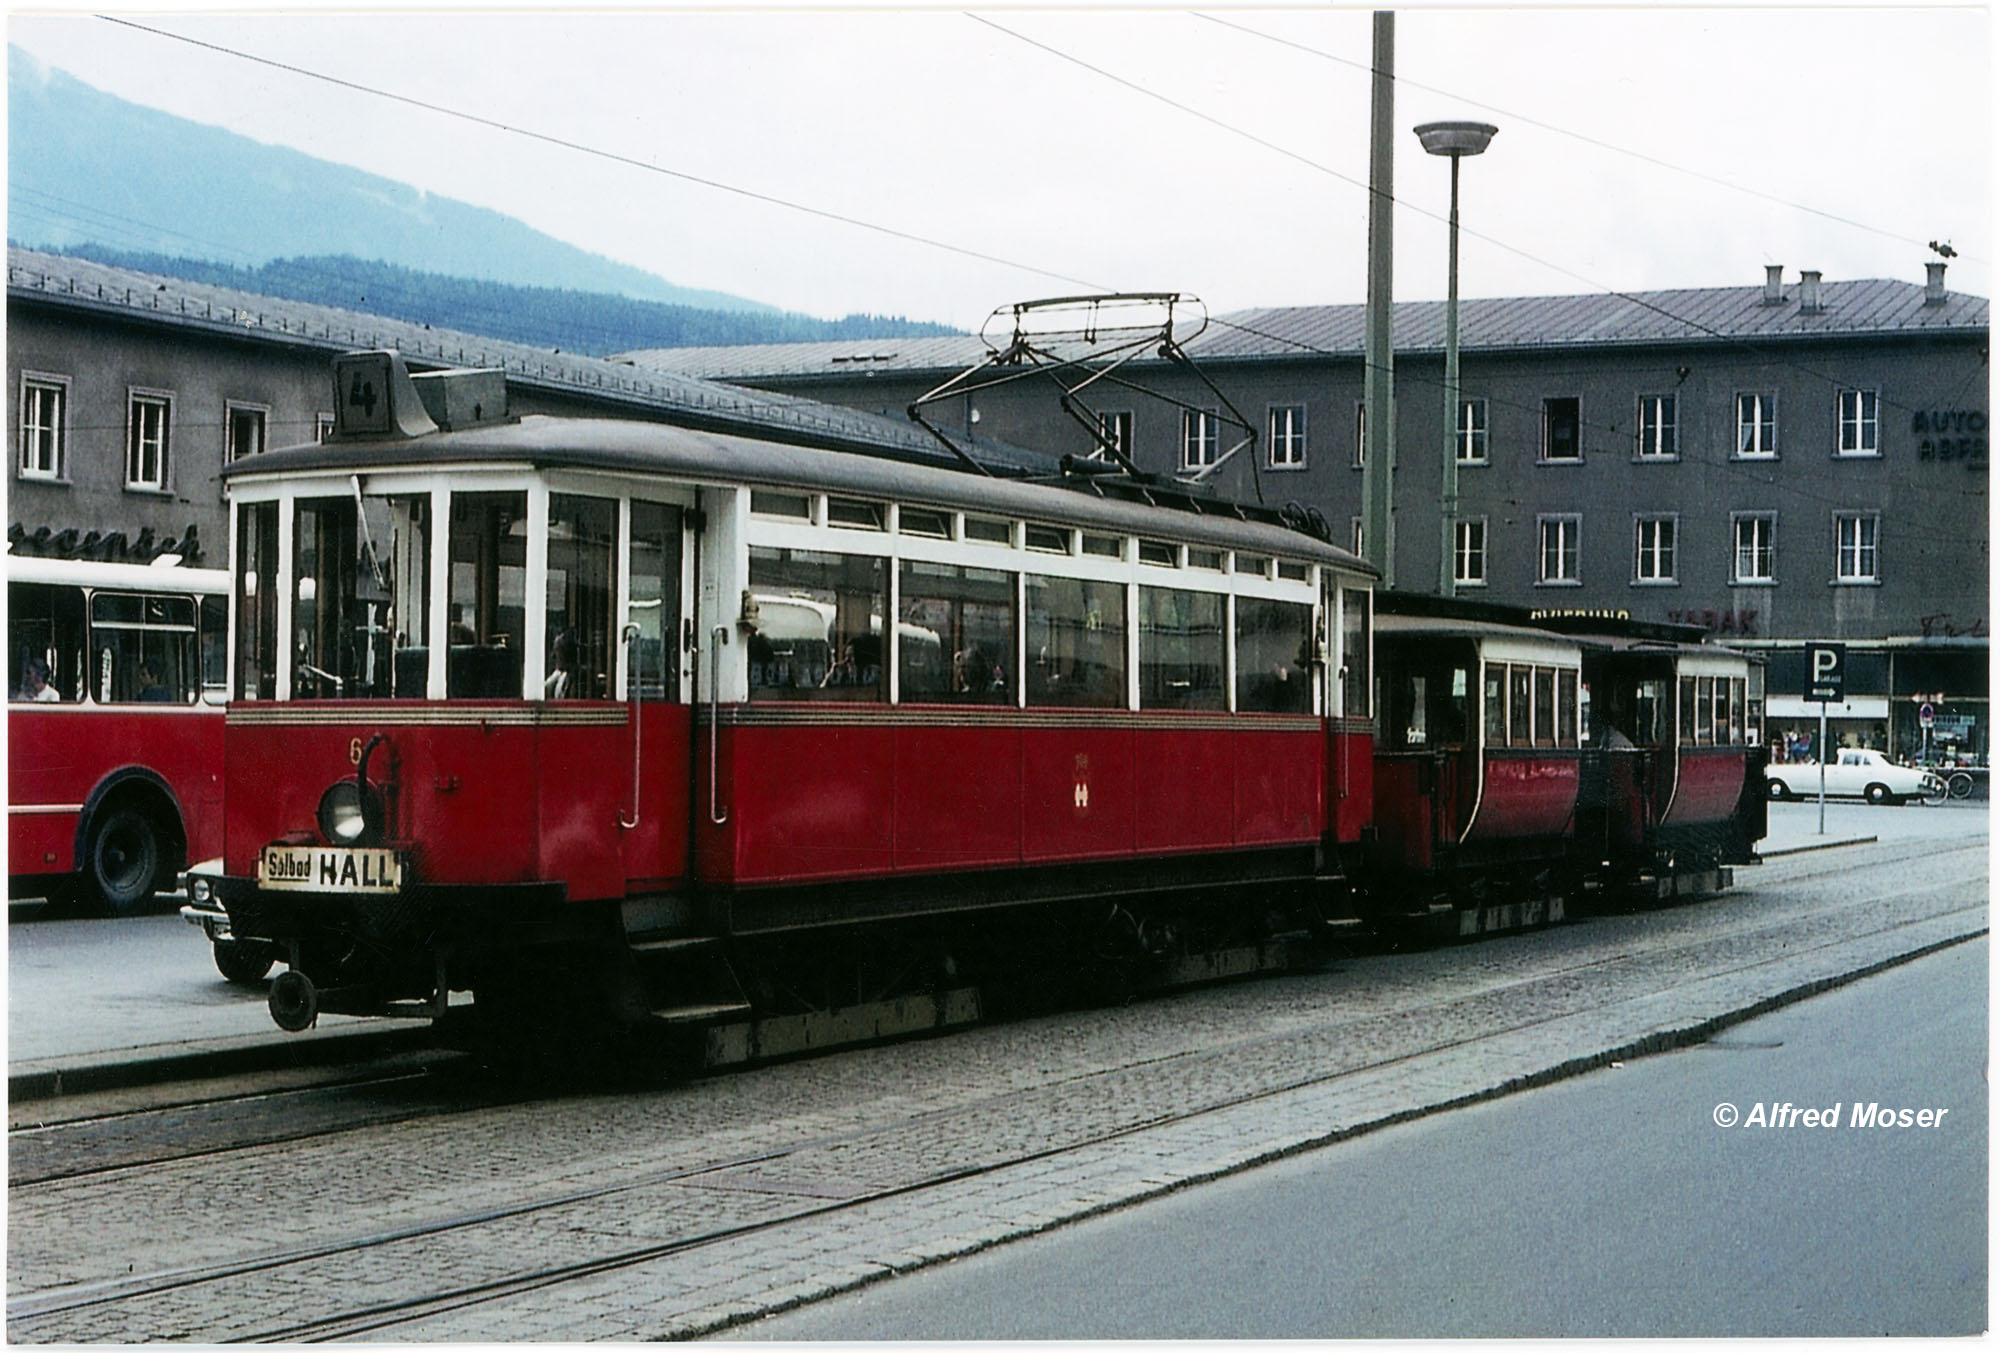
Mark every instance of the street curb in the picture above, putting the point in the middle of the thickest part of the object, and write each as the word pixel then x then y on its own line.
pixel 55 1077
pixel 1819 845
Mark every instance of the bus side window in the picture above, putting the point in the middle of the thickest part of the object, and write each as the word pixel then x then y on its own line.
pixel 45 622
pixel 214 627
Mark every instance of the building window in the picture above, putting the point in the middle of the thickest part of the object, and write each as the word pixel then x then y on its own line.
pixel 1859 430
pixel 1659 437
pixel 147 421
pixel 1472 432
pixel 1562 430
pixel 1757 425
pixel 1288 436
pixel 1114 430
pixel 1560 535
pixel 1469 553
pixel 246 424
pixel 1756 547
pixel 44 424
pixel 1854 547
pixel 1654 560
pixel 1201 439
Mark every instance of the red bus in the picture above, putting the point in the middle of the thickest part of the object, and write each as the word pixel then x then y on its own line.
pixel 116 680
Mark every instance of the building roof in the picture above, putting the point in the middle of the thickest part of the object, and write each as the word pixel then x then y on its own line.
pixel 128 295
pixel 1694 316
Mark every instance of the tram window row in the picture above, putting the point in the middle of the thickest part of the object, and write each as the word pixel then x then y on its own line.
pixel 977 621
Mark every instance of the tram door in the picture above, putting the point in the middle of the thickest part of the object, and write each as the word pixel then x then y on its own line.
pixel 654 825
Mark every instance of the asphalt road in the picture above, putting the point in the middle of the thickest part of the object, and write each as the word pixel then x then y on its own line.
pixel 1479 1223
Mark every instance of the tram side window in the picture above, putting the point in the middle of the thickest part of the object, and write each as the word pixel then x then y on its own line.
pixel 1496 704
pixel 1520 680
pixel 45 635
pixel 582 594
pixel 360 614
pixel 1687 719
pixel 489 593
pixel 956 636
pixel 655 603
pixel 1354 628
pixel 1183 649
pixel 1566 708
pixel 1545 707
pixel 819 625
pixel 143 649
pixel 1274 651
pixel 1738 691
pixel 257 601
pixel 1651 720
pixel 1076 642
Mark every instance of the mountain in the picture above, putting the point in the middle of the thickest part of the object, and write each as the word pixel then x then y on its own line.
pixel 85 167
pixel 590 323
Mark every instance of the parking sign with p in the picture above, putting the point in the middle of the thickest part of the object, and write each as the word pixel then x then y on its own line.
pixel 1826 673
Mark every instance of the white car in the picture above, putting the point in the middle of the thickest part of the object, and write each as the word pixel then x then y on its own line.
pixel 1857 774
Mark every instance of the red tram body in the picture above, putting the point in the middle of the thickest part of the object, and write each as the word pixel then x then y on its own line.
pixel 666 726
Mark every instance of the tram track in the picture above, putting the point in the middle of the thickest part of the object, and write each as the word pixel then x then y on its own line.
pixel 55 1140
pixel 1236 1073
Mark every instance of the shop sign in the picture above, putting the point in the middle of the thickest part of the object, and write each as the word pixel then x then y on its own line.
pixel 1950 434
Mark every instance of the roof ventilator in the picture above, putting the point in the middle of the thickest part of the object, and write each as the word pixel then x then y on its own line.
pixel 1809 301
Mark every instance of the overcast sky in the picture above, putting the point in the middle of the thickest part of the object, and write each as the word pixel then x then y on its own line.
pixel 1221 152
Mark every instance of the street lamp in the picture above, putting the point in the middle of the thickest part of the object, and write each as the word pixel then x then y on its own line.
pixel 1454 139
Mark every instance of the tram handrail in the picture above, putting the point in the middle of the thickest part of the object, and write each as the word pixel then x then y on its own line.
pixel 635 685
pixel 721 637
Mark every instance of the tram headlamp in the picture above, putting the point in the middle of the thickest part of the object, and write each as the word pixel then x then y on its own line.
pixel 350 814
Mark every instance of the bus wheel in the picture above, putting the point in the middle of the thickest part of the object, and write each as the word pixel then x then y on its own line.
pixel 244 962
pixel 122 861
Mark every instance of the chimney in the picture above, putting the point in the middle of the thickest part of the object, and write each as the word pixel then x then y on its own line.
pixel 1774 284
pixel 1934 292
pixel 1809 293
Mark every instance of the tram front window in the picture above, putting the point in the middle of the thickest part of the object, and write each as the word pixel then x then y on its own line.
pixel 360 613
pixel 489 595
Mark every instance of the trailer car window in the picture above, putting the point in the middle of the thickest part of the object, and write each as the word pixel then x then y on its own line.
pixel 1182 649
pixel 1566 733
pixel 1076 642
pixel 819 626
pixel 1273 656
pixel 1496 704
pixel 956 637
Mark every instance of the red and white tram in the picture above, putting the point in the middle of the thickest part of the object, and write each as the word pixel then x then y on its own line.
pixel 574 714
pixel 114 726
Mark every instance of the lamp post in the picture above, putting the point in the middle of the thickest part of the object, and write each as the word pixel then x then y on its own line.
pixel 1455 139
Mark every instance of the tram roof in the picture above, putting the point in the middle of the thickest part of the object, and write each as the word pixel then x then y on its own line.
pixel 694 455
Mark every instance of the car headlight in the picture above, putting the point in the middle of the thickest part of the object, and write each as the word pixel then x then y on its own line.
pixel 200 889
pixel 350 814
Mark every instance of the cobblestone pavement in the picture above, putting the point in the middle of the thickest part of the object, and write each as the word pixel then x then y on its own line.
pixel 742 1194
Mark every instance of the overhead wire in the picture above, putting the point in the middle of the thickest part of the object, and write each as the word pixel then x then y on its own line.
pixel 1638 300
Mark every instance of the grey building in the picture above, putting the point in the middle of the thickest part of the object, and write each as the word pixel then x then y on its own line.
pixel 131 391
pixel 1779 463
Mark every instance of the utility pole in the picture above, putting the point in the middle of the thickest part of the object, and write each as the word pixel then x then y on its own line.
pixel 1378 405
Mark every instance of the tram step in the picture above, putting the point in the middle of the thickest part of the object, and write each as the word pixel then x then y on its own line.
pixel 700 1014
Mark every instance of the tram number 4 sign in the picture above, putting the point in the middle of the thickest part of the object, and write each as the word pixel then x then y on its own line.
pixel 1826 673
